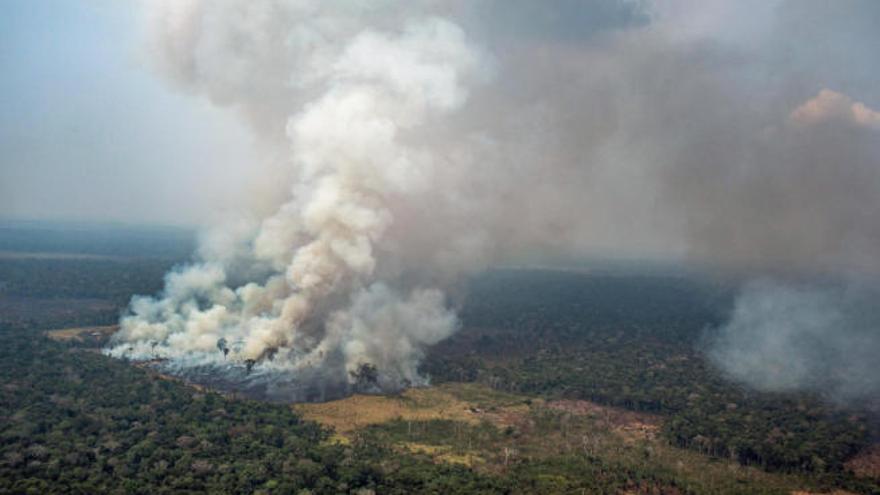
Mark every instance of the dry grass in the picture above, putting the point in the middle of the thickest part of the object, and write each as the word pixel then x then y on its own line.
pixel 80 333
pixel 466 402
pixel 417 404
pixel 443 453
pixel 835 492
pixel 630 425
pixel 618 436
pixel 866 463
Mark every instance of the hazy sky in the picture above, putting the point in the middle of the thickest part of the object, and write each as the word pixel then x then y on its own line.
pixel 88 131
pixel 620 106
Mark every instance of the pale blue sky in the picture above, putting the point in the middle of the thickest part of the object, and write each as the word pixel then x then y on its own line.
pixel 88 131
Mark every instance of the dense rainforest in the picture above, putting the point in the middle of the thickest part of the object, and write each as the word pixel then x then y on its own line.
pixel 636 342
pixel 75 421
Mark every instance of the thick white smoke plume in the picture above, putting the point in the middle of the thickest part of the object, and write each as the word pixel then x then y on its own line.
pixel 412 142
pixel 323 287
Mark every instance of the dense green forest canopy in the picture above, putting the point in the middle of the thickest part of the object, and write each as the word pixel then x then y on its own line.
pixel 635 342
pixel 74 421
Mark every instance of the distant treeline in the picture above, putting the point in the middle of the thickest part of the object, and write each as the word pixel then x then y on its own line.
pixel 53 274
pixel 96 239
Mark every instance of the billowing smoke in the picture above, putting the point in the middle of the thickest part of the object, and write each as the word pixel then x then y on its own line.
pixel 785 338
pixel 322 288
pixel 410 143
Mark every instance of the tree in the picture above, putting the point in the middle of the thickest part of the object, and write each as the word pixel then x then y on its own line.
pixel 366 378
pixel 222 345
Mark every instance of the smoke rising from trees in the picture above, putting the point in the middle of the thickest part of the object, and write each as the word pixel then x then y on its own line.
pixel 416 142
pixel 783 338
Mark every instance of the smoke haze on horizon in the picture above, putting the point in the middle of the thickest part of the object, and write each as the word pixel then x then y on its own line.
pixel 89 133
pixel 405 145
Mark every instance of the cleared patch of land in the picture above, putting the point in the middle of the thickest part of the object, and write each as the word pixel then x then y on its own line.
pixel 83 334
pixel 629 425
pixel 473 425
pixel 866 463
pixel 453 402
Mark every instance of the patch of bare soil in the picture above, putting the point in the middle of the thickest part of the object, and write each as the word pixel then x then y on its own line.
pixel 83 335
pixel 866 463
pixel 358 411
pixel 630 424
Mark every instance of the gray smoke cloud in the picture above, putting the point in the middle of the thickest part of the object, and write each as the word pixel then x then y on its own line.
pixel 414 142
pixel 784 338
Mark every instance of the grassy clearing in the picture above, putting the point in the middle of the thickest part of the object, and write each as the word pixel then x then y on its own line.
pixel 443 453
pixel 82 334
pixel 506 434
pixel 462 403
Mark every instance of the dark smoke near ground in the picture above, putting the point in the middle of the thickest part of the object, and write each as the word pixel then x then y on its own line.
pixel 413 143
